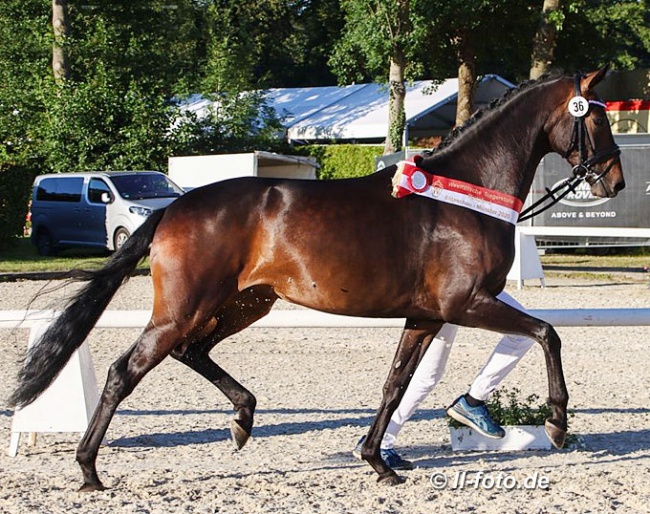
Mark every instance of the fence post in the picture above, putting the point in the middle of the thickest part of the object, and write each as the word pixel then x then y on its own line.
pixel 67 405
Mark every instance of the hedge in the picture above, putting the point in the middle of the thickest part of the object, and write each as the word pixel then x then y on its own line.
pixel 342 161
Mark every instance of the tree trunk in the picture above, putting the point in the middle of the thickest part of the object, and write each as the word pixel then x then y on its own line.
pixel 60 28
pixel 397 88
pixel 396 113
pixel 544 41
pixel 466 76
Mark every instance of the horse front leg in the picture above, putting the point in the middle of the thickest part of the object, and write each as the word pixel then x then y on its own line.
pixel 492 314
pixel 415 340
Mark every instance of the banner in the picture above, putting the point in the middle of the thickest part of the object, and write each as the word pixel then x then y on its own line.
pixel 630 209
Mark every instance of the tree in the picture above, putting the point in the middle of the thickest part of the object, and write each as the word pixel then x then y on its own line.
pixel 396 86
pixel 464 31
pixel 126 61
pixel 545 38
pixel 24 53
pixel 378 43
pixel 600 31
pixel 440 40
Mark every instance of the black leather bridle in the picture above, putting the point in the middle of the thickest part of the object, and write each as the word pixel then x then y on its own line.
pixel 580 137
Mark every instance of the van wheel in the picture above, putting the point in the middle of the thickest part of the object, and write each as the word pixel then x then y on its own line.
pixel 121 235
pixel 44 244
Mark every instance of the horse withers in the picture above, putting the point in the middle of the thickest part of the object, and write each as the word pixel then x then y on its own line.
pixel 222 254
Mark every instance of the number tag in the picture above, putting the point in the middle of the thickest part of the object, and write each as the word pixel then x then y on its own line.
pixel 578 106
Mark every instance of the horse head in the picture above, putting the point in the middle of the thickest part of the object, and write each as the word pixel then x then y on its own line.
pixel 580 131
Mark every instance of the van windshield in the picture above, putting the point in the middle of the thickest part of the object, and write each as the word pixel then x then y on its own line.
pixel 145 185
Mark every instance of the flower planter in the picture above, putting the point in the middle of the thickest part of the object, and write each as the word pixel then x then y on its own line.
pixel 520 437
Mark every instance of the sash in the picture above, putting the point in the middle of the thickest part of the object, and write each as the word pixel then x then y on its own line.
pixel 409 179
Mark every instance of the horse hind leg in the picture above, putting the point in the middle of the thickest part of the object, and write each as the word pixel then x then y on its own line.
pixel 153 345
pixel 246 308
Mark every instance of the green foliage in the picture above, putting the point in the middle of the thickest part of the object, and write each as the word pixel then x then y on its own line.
pixel 103 127
pixel 369 38
pixel 15 187
pixel 599 32
pixel 277 43
pixel 507 408
pixel 24 52
pixel 362 52
pixel 342 161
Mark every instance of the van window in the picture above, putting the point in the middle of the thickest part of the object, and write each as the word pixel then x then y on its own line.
pixel 96 188
pixel 145 185
pixel 60 190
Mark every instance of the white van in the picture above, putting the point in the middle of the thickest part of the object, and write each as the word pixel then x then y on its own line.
pixel 98 209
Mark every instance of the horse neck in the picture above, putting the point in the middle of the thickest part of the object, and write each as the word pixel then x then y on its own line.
pixel 503 149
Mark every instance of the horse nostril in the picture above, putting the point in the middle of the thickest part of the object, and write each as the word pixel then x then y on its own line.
pixel 619 186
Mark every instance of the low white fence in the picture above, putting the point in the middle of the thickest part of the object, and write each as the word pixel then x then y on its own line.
pixel 68 404
pixel 527 264
pixel 303 318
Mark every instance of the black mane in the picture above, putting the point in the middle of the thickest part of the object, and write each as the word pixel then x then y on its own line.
pixel 511 93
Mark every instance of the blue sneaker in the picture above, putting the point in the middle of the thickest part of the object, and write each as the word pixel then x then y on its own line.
pixel 477 418
pixel 389 456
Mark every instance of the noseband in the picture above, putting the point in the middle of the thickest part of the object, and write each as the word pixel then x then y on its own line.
pixel 583 170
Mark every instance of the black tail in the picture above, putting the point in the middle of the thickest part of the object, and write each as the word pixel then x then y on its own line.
pixel 46 359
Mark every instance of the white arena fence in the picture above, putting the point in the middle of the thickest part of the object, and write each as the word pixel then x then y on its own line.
pixel 68 404
pixel 304 318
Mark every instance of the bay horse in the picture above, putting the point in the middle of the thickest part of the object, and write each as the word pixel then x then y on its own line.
pixel 222 254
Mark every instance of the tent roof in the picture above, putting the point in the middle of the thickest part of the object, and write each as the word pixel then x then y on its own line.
pixel 359 112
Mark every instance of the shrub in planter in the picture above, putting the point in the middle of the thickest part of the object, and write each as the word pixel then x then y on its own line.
pixel 523 421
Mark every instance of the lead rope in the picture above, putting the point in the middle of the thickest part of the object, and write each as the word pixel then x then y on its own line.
pixel 570 183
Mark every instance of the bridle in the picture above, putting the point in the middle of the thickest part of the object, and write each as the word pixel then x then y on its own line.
pixel 580 139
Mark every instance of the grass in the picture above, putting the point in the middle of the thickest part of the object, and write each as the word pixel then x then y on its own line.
pixel 580 264
pixel 624 258
pixel 23 258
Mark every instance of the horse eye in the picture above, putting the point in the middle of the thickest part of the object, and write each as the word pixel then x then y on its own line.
pixel 599 121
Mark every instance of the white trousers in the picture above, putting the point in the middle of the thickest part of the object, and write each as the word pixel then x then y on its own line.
pixel 503 360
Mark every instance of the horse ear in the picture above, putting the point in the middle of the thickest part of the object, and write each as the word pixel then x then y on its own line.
pixel 592 79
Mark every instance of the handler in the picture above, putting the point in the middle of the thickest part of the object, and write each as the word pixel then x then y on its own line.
pixel 469 408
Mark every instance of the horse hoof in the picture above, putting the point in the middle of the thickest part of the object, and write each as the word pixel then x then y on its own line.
pixel 391 478
pixel 556 434
pixel 239 435
pixel 87 488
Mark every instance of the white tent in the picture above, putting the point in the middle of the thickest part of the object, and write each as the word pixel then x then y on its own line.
pixel 360 112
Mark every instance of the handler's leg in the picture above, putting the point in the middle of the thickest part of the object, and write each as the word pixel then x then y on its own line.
pixel 506 355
